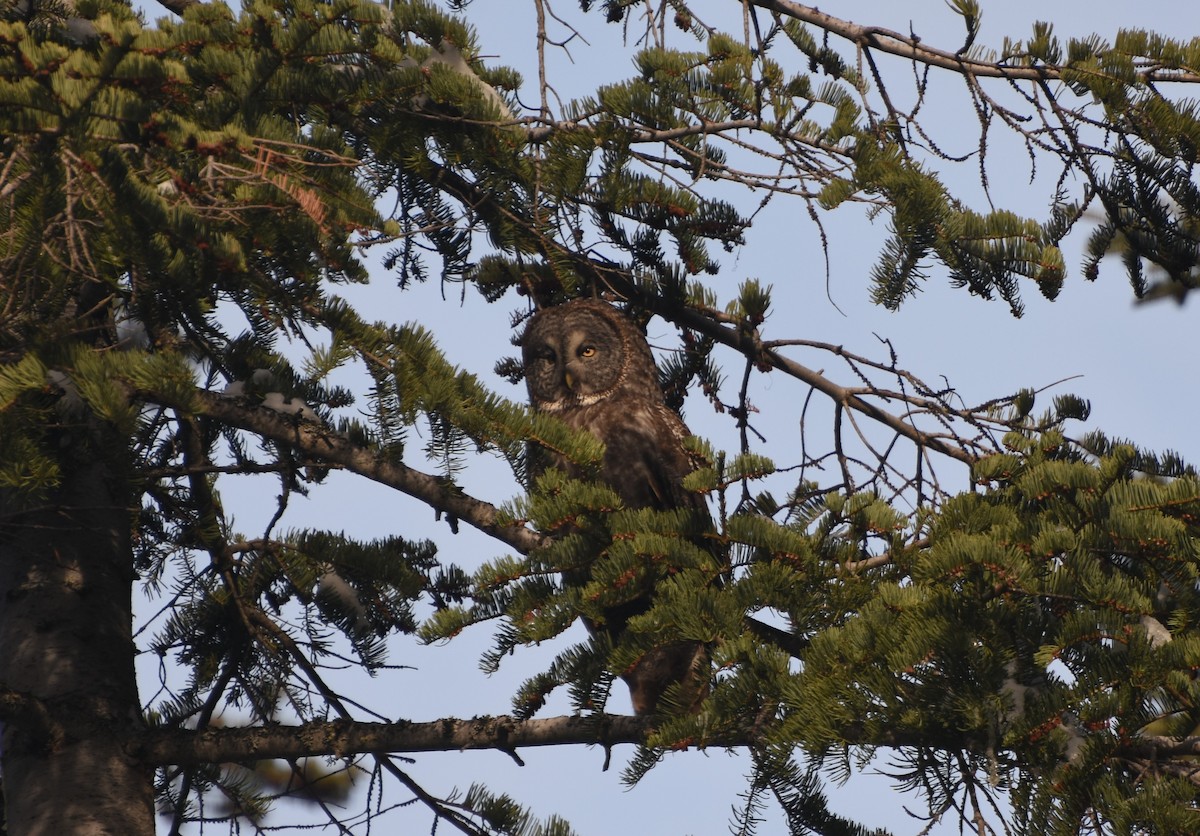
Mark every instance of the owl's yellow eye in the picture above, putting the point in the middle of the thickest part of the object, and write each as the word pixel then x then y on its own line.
pixel 587 351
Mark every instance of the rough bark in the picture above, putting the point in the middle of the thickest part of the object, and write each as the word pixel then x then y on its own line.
pixel 340 738
pixel 66 649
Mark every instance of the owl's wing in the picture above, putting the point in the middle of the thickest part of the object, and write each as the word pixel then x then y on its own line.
pixel 655 461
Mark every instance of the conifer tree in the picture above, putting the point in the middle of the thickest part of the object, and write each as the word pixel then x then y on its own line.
pixel 1005 601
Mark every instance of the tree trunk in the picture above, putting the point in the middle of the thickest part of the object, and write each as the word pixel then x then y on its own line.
pixel 66 642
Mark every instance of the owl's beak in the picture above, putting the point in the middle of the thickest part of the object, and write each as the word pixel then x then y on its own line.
pixel 569 379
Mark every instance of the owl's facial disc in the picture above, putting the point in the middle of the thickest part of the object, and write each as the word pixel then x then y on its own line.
pixel 573 357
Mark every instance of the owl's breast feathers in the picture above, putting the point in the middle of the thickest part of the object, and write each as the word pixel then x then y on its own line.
pixel 644 457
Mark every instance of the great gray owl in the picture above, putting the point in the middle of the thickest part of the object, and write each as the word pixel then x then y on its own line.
pixel 588 364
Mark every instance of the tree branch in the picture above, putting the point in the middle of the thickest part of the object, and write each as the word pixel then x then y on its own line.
pixel 179 6
pixel 1161 748
pixel 748 345
pixel 909 47
pixel 325 443
pixel 439 494
pixel 339 738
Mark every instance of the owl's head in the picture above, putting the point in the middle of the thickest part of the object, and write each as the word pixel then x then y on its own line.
pixel 582 352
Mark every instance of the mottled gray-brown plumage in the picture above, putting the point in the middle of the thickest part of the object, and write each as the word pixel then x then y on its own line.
pixel 587 363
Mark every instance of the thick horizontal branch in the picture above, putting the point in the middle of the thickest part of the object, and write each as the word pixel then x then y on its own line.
pixel 343 738
pixel 325 443
pixel 340 738
pixel 911 47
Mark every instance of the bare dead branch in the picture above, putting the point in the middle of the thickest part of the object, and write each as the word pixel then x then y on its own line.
pixel 749 346
pixel 905 46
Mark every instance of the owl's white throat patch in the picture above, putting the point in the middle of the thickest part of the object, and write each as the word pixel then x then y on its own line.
pixel 567 403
